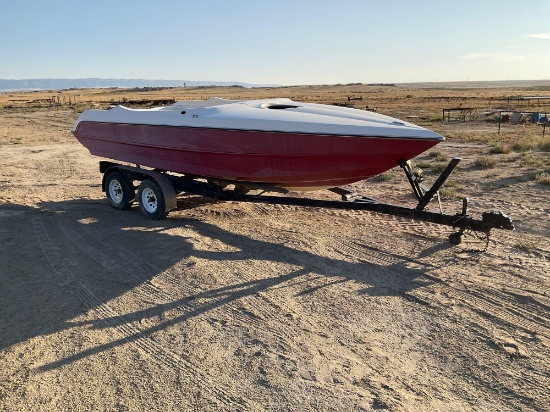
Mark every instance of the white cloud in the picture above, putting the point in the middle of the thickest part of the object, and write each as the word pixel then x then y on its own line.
pixel 545 36
pixel 495 56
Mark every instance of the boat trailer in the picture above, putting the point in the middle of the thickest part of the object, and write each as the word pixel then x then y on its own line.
pixel 157 191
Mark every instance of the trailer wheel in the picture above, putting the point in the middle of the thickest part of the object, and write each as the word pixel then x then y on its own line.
pixel 151 200
pixel 455 238
pixel 119 191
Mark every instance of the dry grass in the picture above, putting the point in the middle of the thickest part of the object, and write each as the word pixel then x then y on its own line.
pixel 438 167
pixel 485 162
pixel 543 178
pixel 424 103
pixel 447 193
pixel 500 148
pixel 534 160
pixel 524 146
pixel 386 176
pixel 423 164
pixel 439 155
pixel 524 246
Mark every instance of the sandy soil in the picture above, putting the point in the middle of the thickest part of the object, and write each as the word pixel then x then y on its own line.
pixel 227 306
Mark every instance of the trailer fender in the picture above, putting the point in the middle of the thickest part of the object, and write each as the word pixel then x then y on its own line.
pixel 167 189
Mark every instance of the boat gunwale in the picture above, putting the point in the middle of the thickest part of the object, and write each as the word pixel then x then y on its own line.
pixel 440 139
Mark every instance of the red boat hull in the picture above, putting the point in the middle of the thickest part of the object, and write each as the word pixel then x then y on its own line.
pixel 288 160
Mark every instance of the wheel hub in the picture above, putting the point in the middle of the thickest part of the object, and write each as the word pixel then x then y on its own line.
pixel 115 190
pixel 149 200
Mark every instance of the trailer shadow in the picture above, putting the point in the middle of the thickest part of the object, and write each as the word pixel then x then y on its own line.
pixel 72 257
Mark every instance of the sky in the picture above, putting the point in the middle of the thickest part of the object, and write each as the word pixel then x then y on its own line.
pixel 285 42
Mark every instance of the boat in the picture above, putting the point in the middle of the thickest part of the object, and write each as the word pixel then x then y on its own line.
pixel 227 149
pixel 278 143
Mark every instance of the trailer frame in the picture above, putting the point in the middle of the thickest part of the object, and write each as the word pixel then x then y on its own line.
pixel 158 189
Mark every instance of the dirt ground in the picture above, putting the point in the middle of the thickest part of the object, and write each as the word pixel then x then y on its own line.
pixel 243 307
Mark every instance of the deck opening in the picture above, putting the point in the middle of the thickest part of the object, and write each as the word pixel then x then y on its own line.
pixel 278 106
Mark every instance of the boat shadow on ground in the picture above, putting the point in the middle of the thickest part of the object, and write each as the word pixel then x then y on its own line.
pixel 79 256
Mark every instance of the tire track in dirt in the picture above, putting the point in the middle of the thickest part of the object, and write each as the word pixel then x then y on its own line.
pixel 536 242
pixel 145 290
pixel 362 355
pixel 133 265
pixel 426 229
pixel 527 388
pixel 402 224
pixel 514 309
pixel 490 302
pixel 354 249
pixel 126 270
pixel 537 201
pixel 390 266
pixel 128 333
pixel 293 238
pixel 531 316
pixel 244 308
pixel 264 312
pixel 277 296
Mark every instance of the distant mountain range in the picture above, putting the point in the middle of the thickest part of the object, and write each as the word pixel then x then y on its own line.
pixel 92 83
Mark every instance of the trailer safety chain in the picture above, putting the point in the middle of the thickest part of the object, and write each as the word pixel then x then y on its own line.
pixel 466 229
pixel 485 238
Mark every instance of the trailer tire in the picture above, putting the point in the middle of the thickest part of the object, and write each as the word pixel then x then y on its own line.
pixel 151 200
pixel 119 191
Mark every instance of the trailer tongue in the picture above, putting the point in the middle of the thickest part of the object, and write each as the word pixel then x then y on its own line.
pixel 158 189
